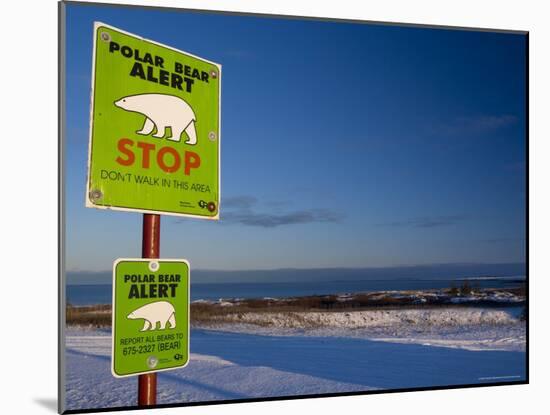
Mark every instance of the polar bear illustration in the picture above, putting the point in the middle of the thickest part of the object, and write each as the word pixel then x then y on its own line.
pixel 162 111
pixel 158 312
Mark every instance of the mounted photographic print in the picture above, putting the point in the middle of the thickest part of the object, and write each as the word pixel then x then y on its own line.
pixel 361 229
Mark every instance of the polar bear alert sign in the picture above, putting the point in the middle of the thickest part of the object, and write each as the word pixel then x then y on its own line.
pixel 154 128
pixel 150 315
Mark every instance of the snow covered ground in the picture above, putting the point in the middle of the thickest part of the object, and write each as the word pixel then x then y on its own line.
pixel 348 352
pixel 382 318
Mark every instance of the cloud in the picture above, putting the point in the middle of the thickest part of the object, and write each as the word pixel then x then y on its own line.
pixel 474 125
pixel 277 203
pixel 241 202
pixel 244 210
pixel 427 222
pixel 487 122
pixel 272 220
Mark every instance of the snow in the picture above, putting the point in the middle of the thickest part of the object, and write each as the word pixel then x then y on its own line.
pixel 448 316
pixel 483 337
pixel 347 352
pixel 225 304
pixel 201 301
pixel 482 297
pixel 496 297
pixel 207 377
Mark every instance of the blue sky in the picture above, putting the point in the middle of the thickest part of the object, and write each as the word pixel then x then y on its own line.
pixel 343 145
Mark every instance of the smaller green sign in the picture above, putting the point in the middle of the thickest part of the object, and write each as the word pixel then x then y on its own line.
pixel 150 315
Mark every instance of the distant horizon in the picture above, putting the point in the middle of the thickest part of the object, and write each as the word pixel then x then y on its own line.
pixel 449 271
pixel 329 268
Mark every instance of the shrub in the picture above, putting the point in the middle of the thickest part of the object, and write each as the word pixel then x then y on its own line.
pixel 466 288
pixel 453 290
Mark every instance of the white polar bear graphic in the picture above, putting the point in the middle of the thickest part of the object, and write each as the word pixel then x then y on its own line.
pixel 162 111
pixel 158 312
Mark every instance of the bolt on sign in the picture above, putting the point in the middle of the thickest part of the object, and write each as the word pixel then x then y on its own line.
pixel 150 315
pixel 154 128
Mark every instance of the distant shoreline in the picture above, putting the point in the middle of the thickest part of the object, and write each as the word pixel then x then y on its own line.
pixel 80 295
pixel 226 310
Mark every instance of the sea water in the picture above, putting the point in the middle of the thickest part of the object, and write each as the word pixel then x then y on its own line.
pixel 79 295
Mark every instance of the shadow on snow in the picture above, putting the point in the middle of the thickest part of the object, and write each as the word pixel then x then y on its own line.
pixel 362 362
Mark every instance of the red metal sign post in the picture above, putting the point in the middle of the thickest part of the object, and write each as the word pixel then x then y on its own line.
pixel 150 248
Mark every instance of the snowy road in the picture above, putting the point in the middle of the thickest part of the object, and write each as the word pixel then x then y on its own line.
pixel 229 365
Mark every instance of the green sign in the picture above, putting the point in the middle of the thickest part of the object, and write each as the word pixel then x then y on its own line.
pixel 150 315
pixel 154 128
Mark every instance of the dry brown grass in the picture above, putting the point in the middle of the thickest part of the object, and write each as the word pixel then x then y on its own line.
pixel 212 313
pixel 95 316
